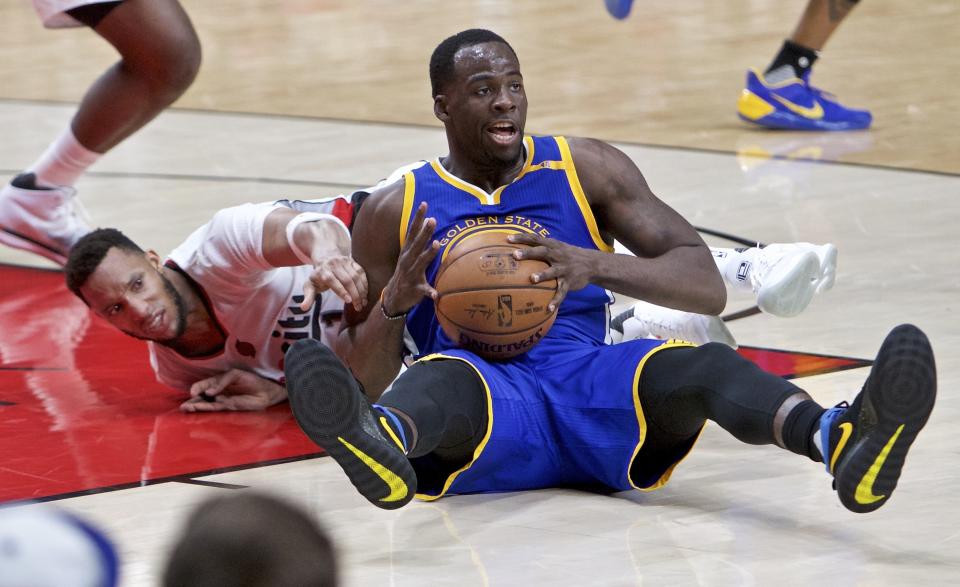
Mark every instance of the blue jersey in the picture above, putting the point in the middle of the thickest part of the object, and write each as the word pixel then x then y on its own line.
pixel 545 199
pixel 567 412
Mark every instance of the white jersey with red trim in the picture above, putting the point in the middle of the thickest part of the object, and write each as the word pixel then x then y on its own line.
pixel 256 304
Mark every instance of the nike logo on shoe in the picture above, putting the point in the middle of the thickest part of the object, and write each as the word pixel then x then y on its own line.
pixel 846 429
pixel 864 494
pixel 813 113
pixel 398 489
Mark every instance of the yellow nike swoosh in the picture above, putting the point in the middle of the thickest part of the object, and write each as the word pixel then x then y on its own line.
pixel 864 494
pixel 814 113
pixel 846 429
pixel 398 489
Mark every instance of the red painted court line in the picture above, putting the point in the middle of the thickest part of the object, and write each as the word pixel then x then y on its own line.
pixel 80 411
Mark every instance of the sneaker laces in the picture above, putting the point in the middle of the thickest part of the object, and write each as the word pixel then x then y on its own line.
pixel 659 323
pixel 764 261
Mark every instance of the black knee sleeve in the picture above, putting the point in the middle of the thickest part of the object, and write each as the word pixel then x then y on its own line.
pixel 447 403
pixel 681 388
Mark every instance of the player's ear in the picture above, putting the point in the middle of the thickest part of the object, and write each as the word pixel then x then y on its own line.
pixel 440 107
pixel 154 258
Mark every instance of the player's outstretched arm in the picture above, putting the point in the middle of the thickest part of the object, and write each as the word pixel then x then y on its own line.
pixel 673 266
pixel 371 340
pixel 291 238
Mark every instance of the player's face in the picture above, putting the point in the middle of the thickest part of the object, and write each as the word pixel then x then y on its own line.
pixel 484 105
pixel 129 291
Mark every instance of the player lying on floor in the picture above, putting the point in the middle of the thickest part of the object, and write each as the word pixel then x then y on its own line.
pixel 220 311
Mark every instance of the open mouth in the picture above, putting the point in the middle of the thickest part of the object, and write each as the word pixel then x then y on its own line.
pixel 503 132
pixel 154 324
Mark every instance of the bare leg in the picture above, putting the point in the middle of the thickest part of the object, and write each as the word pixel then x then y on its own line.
pixel 819 20
pixel 160 57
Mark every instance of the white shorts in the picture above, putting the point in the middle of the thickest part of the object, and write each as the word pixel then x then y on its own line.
pixel 53 13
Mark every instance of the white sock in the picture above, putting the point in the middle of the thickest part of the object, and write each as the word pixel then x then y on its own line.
pixel 63 162
pixel 817 442
pixel 734 266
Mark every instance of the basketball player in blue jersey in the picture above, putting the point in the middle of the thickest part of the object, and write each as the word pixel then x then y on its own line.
pixel 572 411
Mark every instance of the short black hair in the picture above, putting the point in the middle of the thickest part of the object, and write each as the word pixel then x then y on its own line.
pixel 88 253
pixel 441 62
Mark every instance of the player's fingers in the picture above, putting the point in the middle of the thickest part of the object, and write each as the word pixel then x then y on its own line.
pixel 345 281
pixel 418 216
pixel 426 256
pixel 539 252
pixel 525 238
pixel 202 386
pixel 309 295
pixel 360 279
pixel 551 272
pixel 558 297
pixel 212 386
pixel 199 405
pixel 416 225
pixel 428 292
pixel 421 239
pixel 325 279
pixel 357 277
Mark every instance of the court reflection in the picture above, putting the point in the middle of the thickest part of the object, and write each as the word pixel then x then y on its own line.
pixel 80 410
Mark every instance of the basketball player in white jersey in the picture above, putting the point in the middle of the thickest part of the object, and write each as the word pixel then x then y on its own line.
pixel 222 309
pixel 159 58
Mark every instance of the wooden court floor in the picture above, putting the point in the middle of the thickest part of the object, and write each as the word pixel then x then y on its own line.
pixel 309 98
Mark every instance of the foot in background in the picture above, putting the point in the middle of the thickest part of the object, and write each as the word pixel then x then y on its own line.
pixel 645 320
pixel 45 221
pixel 793 104
pixel 619 9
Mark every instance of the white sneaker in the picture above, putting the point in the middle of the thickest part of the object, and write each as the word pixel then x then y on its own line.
pixel 645 320
pixel 43 221
pixel 786 276
pixel 828 265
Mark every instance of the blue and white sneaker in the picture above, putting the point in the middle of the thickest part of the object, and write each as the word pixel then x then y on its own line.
pixel 796 105
pixel 865 444
pixel 619 9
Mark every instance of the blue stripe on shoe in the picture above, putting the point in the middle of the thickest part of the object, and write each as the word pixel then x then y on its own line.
pixel 397 426
pixel 827 421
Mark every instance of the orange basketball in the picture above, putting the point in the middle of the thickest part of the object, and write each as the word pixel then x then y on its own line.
pixel 487 303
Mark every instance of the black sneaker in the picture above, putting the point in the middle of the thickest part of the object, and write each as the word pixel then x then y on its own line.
pixel 332 410
pixel 866 443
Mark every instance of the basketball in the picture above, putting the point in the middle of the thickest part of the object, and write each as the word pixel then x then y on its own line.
pixel 487 303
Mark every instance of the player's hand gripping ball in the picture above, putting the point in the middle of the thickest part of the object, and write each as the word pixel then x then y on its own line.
pixel 487 303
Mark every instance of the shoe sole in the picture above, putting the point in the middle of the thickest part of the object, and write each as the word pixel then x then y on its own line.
pixel 331 409
pixel 899 396
pixel 781 121
pixel 796 282
pixel 16 240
